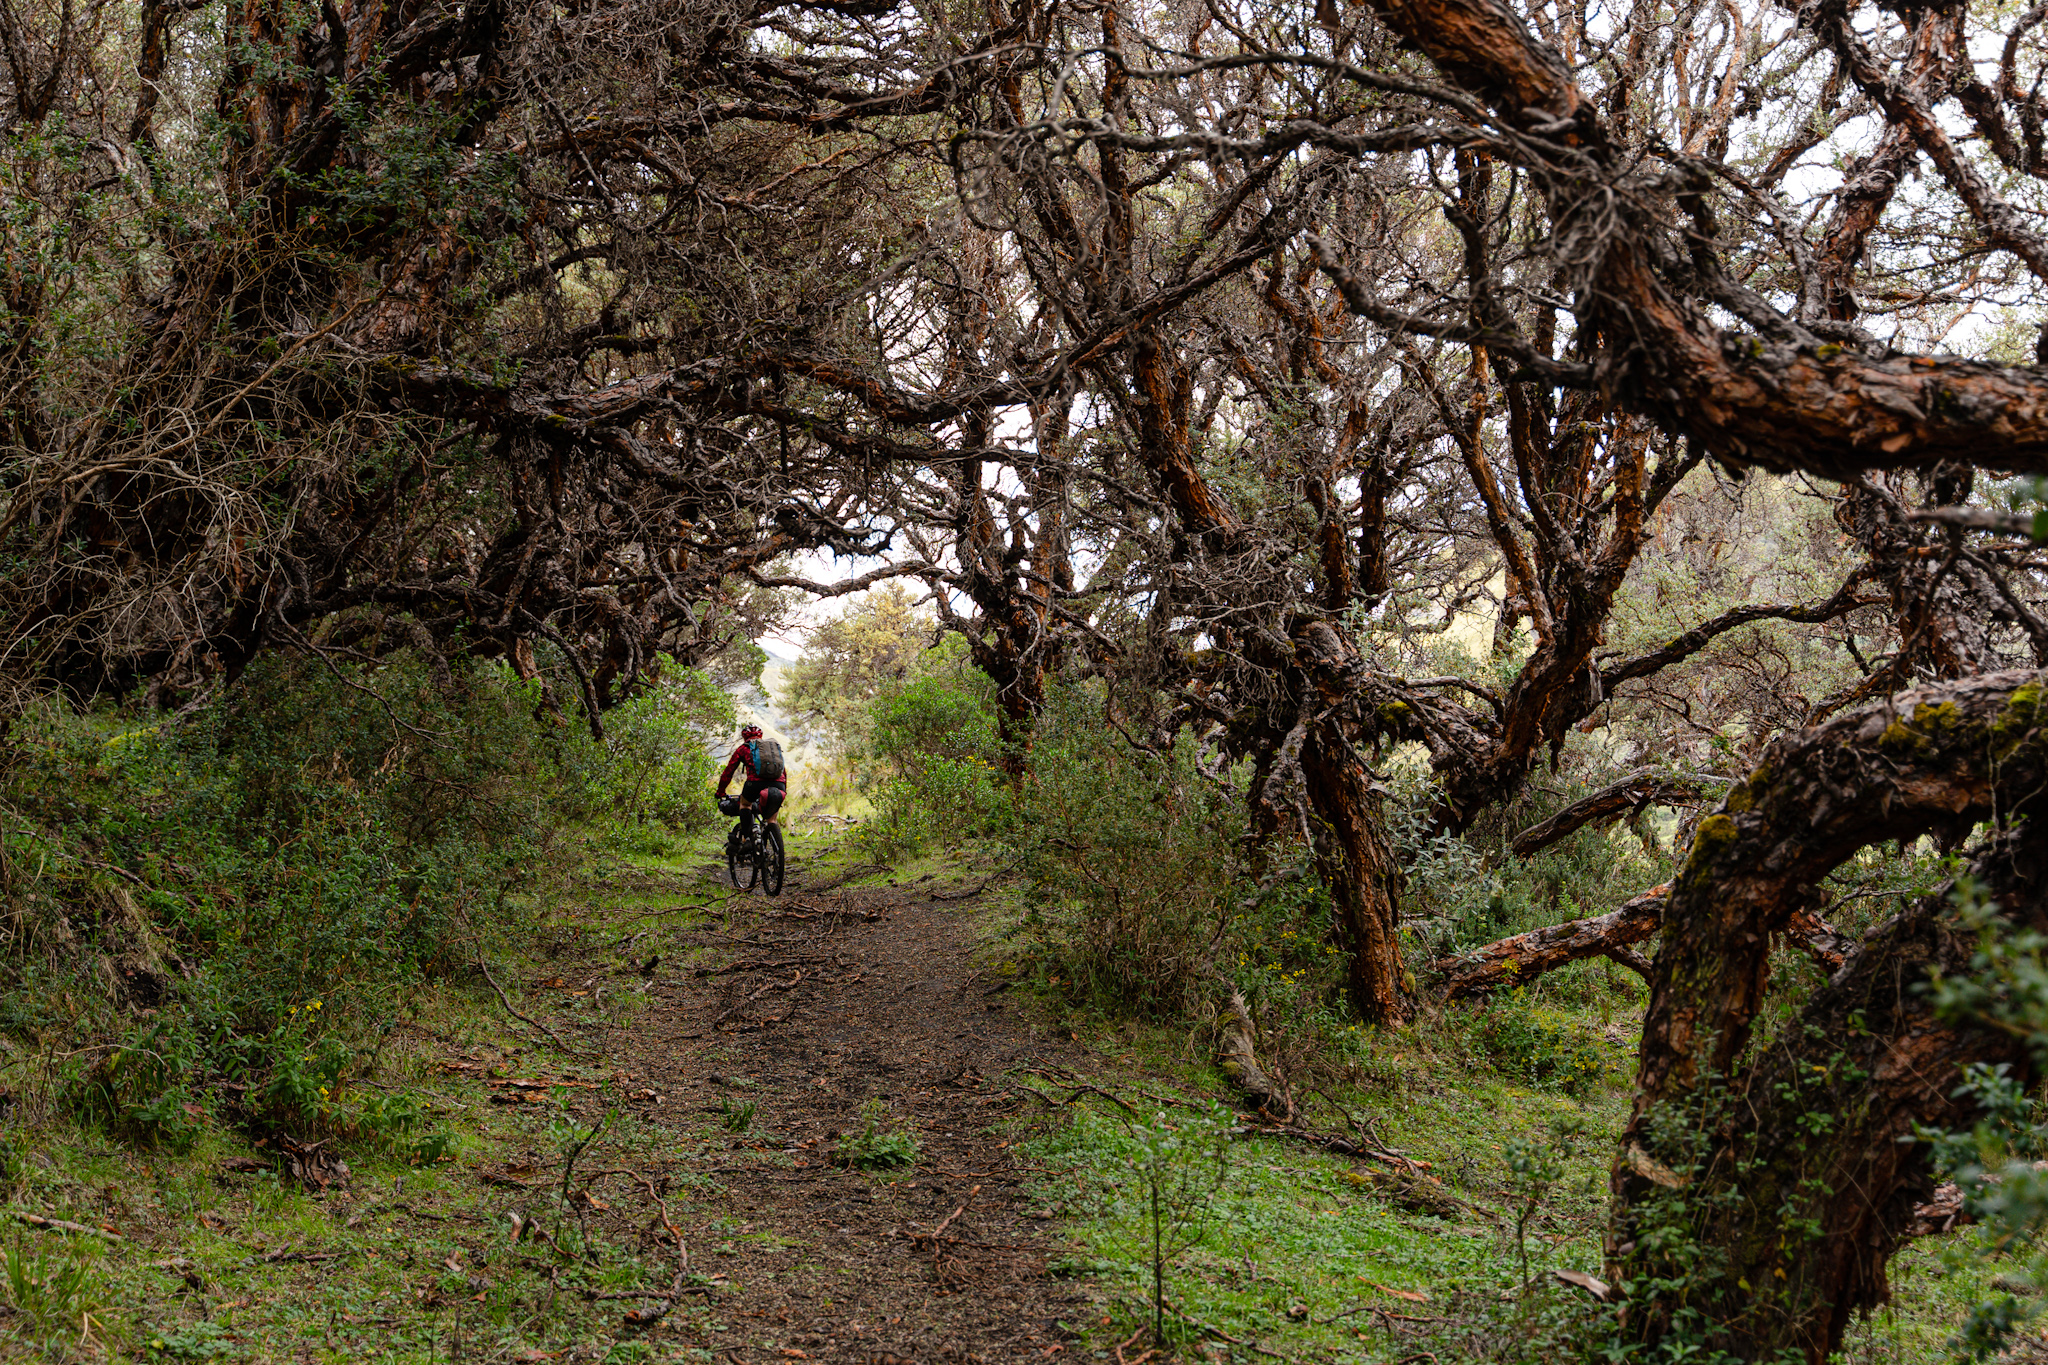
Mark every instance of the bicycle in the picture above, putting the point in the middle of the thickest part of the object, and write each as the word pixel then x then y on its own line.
pixel 758 859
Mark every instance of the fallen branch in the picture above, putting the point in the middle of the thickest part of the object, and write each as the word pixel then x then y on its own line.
pixel 1235 1054
pixel 762 965
pixel 1328 1142
pixel 735 1011
pixel 858 869
pixel 1064 1076
pixel 986 882
pixel 706 904
pixel 1524 957
pixel 647 1317
pixel 1076 1087
pixel 1409 1184
pixel 284 1257
pixel 513 1010
pixel 1222 1335
pixel 66 1225
pixel 1643 787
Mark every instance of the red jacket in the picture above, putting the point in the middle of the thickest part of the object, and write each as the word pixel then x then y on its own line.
pixel 744 757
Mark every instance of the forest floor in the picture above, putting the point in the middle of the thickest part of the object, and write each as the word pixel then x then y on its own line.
pixel 681 1123
pixel 877 1213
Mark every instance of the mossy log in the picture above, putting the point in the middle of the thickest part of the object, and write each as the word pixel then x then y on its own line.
pixel 1237 1055
pixel 1524 957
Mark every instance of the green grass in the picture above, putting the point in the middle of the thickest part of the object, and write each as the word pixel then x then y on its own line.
pixel 408 1260
pixel 1296 1248
pixel 1307 1254
pixel 1299 1252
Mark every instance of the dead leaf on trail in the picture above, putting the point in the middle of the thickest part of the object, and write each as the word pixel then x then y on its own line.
pixel 312 1167
pixel 1412 1295
pixel 1655 1171
pixel 553 983
pixel 242 1163
pixel 1592 1284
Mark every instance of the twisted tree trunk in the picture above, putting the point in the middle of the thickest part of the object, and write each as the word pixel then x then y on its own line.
pixel 1762 1188
pixel 1524 957
pixel 1357 865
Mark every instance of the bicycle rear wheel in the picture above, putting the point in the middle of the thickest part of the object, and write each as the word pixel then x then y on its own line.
pixel 771 861
pixel 739 863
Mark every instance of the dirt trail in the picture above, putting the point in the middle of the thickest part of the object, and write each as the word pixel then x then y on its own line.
pixel 809 1008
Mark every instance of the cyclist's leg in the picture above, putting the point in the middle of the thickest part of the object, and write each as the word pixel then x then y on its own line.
pixel 750 794
pixel 769 802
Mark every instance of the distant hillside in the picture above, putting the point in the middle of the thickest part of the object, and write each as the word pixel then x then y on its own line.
pixel 762 706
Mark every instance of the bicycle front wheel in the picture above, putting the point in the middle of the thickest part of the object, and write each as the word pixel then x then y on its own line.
pixel 739 864
pixel 771 861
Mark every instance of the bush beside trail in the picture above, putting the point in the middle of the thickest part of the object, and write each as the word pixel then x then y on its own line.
pixel 215 915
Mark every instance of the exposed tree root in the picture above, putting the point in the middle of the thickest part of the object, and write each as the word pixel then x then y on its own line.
pixel 1237 1056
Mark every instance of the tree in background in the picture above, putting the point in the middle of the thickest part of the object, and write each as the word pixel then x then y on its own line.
pixel 873 645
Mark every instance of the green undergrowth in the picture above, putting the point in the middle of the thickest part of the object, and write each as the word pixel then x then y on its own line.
pixel 1315 1256
pixel 1450 1251
pixel 453 1240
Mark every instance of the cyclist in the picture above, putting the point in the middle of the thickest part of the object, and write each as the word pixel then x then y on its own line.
pixel 766 784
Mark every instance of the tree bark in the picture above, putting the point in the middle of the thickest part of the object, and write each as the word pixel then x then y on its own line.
pixel 1631 793
pixel 1357 864
pixel 1937 760
pixel 1794 403
pixel 1517 960
pixel 1803 1172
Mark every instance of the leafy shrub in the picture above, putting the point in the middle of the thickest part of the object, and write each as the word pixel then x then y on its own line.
pixel 1132 871
pixel 265 880
pixel 1527 1043
pixel 656 760
pixel 877 1145
pixel 140 1089
pixel 938 741
pixel 305 1074
pixel 935 719
pixel 950 800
